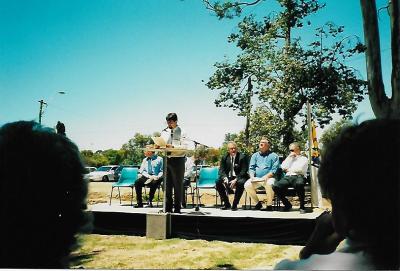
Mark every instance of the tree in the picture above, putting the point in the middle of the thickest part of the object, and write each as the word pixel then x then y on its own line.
pixel 115 157
pixel 96 159
pixel 285 73
pixel 382 105
pixel 333 131
pixel 205 155
pixel 134 148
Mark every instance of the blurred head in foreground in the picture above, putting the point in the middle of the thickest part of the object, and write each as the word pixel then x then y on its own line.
pixel 359 173
pixel 42 199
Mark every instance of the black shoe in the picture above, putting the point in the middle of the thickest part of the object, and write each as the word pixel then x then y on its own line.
pixel 149 204
pixel 258 206
pixel 139 205
pixel 234 207
pixel 287 208
pixel 302 211
pixel 268 208
pixel 177 211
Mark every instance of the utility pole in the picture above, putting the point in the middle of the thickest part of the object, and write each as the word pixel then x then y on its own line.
pixel 41 110
pixel 248 111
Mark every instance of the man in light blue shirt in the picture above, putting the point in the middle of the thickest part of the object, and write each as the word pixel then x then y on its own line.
pixel 150 174
pixel 262 168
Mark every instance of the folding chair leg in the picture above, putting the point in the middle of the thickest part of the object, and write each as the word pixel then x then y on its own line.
pixel 145 192
pixel 185 194
pixel 119 195
pixel 111 194
pixel 198 195
pixel 132 197
pixel 277 202
pixel 158 196
pixel 249 203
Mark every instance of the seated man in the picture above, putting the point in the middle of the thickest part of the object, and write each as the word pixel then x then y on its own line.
pixel 189 166
pixel 232 175
pixel 364 193
pixel 262 168
pixel 295 166
pixel 150 174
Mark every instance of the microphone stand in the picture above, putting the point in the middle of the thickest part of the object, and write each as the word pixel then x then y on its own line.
pixel 196 177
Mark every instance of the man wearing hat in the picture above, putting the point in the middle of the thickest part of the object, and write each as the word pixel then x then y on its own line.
pixel 150 174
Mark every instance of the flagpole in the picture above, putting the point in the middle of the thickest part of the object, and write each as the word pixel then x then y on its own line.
pixel 310 139
pixel 310 143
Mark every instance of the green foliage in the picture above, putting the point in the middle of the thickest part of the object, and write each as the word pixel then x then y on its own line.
pixel 134 148
pixel 130 153
pixel 333 131
pixel 94 159
pixel 209 156
pixel 286 72
pixel 264 124
pixel 115 157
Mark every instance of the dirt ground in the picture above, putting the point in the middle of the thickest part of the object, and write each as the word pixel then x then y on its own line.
pixel 99 192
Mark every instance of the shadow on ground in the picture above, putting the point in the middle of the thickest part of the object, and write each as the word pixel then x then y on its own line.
pixel 77 260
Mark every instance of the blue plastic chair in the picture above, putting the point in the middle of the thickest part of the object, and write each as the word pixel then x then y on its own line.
pixel 127 179
pixel 207 179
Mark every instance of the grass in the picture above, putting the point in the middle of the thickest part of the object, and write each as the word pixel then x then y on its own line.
pixel 133 252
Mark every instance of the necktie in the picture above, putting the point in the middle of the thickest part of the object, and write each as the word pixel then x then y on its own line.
pixel 149 169
pixel 232 165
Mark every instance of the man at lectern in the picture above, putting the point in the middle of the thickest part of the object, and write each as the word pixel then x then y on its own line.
pixel 174 137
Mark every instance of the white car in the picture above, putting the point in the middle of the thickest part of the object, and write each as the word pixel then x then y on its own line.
pixel 103 173
pixel 87 171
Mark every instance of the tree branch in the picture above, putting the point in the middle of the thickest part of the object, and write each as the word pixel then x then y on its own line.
pixel 338 46
pixel 235 4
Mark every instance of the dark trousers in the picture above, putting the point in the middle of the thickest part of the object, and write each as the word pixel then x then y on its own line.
pixel 223 191
pixel 281 187
pixel 175 173
pixel 139 184
pixel 186 184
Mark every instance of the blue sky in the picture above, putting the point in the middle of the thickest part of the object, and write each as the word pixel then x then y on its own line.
pixel 124 64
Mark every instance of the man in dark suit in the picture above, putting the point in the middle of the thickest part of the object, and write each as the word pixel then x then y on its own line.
pixel 232 175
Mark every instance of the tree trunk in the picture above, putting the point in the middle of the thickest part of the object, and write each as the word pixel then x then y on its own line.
pixel 382 106
pixel 395 27
pixel 288 136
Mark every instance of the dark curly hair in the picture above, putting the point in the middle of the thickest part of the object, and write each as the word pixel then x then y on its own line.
pixel 359 173
pixel 43 196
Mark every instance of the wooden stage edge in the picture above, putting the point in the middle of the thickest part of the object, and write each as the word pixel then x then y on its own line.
pixel 209 223
pixel 209 211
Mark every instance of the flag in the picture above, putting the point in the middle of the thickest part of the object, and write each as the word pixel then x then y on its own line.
pixel 315 150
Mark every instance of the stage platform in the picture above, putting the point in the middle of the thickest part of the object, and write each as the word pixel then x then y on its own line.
pixel 283 228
